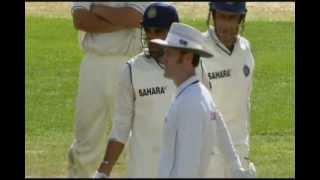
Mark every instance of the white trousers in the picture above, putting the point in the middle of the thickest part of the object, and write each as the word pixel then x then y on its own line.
pixel 218 168
pixel 94 107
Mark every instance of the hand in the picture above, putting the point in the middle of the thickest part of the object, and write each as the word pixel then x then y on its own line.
pixel 252 169
pixel 100 175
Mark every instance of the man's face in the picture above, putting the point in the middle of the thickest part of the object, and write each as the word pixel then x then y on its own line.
pixel 226 27
pixel 155 33
pixel 172 61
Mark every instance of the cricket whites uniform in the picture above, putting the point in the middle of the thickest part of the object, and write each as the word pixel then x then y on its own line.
pixel 143 98
pixel 230 75
pixel 192 128
pixel 105 53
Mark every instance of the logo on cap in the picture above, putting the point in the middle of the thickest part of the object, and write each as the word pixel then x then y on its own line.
pixel 152 13
pixel 183 42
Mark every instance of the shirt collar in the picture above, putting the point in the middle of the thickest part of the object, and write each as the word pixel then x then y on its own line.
pixel 186 83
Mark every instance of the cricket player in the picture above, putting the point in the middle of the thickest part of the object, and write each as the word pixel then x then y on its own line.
pixel 143 98
pixel 109 36
pixel 192 121
pixel 230 72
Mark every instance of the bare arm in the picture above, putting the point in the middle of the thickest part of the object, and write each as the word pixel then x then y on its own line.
pixel 114 149
pixel 89 22
pixel 118 16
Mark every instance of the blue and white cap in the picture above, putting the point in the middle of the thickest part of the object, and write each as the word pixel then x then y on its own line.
pixel 230 7
pixel 160 15
pixel 185 37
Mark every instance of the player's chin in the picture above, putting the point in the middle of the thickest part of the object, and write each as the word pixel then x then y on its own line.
pixel 226 34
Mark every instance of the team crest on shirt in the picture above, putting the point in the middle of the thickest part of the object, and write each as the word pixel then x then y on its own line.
pixel 246 70
pixel 152 13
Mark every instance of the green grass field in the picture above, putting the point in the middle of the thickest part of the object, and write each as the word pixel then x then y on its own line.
pixel 52 65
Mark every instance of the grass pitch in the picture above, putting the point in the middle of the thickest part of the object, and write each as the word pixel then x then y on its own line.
pixel 52 67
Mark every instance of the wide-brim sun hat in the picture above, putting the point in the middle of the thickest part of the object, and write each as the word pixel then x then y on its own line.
pixel 185 37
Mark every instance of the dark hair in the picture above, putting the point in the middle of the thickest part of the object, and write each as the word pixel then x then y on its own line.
pixel 195 60
pixel 241 21
pixel 195 57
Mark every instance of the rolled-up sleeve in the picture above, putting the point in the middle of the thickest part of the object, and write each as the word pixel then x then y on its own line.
pixel 80 5
pixel 124 103
pixel 189 141
pixel 139 6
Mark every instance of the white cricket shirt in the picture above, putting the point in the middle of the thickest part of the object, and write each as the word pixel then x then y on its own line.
pixel 123 42
pixel 143 99
pixel 230 74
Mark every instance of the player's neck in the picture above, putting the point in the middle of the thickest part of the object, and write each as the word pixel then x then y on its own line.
pixel 230 47
pixel 178 81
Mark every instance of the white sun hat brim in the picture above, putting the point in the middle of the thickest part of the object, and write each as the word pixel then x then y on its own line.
pixel 184 37
pixel 197 51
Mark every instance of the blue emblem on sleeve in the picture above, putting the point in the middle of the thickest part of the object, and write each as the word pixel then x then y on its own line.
pixel 246 70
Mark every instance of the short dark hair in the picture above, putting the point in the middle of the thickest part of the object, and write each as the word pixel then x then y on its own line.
pixel 241 20
pixel 195 60
pixel 195 57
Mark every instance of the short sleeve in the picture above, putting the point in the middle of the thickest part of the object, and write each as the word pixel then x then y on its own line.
pixel 123 113
pixel 139 6
pixel 80 5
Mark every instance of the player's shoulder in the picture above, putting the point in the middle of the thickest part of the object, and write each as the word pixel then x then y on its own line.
pixel 246 49
pixel 193 94
pixel 142 61
pixel 110 4
pixel 139 6
pixel 196 99
pixel 139 57
pixel 244 42
pixel 206 34
pixel 140 3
